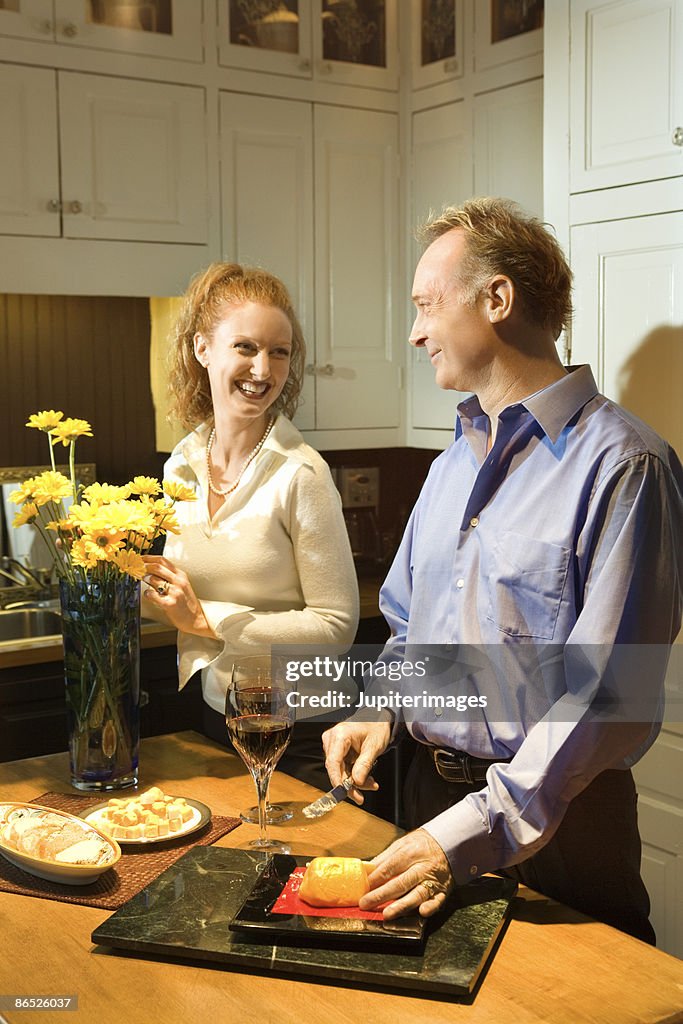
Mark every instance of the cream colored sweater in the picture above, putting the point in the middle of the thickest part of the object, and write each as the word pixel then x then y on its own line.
pixel 273 566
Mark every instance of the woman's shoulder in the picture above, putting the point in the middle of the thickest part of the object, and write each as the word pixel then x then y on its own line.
pixel 288 441
pixel 186 452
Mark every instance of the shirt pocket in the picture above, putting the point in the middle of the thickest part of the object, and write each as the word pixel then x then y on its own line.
pixel 525 580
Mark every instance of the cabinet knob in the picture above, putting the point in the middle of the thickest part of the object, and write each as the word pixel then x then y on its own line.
pixel 677 137
pixel 304 65
pixel 47 27
pixel 450 66
pixel 313 370
pixel 75 206
pixel 325 67
pixel 69 29
pixel 54 205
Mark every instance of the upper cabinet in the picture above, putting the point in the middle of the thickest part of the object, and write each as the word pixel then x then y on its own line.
pixel 132 156
pixel 436 41
pixel 507 30
pixel 352 42
pixel 626 87
pixel 157 28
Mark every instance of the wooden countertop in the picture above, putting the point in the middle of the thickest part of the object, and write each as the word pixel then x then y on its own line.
pixel 553 965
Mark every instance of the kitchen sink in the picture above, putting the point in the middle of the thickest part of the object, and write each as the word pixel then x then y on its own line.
pixel 29 623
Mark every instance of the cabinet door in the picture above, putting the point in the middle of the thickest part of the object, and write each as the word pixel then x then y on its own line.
pixel 436 41
pixel 508 144
pixel 355 42
pixel 356 241
pixel 441 176
pixel 159 28
pixel 506 31
pixel 28 19
pixel 629 299
pixel 626 92
pixel 29 173
pixel 133 159
pixel 267 196
pixel 264 35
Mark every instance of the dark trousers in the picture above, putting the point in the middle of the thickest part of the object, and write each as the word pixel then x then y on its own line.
pixel 592 863
pixel 303 757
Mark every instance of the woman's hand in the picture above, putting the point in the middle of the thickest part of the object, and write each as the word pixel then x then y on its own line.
pixel 413 873
pixel 171 591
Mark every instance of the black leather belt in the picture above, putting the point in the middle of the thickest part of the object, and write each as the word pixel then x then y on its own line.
pixel 456 766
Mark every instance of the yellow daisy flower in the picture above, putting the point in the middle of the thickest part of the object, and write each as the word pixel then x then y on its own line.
pixel 50 486
pixel 46 420
pixel 82 555
pixel 69 430
pixel 178 492
pixel 144 485
pixel 26 514
pixel 103 494
pixel 83 513
pixel 64 527
pixel 25 492
pixel 129 562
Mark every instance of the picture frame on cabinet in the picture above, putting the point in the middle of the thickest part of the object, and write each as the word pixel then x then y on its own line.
pixel 437 33
pixel 507 30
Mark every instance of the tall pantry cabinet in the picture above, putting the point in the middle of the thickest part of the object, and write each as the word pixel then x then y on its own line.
pixel 614 119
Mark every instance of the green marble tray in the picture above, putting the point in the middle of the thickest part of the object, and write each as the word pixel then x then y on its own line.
pixel 186 912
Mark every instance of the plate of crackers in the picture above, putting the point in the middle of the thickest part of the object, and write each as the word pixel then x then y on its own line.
pixel 149 817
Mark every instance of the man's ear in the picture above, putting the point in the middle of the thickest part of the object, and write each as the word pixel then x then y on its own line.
pixel 499 296
pixel 201 349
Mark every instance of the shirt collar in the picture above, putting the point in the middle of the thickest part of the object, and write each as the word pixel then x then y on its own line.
pixel 552 407
pixel 284 439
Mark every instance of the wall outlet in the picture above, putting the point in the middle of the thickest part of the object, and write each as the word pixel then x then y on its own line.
pixel 359 487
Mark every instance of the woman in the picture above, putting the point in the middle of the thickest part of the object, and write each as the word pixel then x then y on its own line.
pixel 262 556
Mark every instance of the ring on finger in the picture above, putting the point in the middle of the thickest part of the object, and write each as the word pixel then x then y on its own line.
pixel 431 886
pixel 163 588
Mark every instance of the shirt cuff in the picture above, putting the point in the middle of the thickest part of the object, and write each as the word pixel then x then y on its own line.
pixel 223 616
pixel 462 833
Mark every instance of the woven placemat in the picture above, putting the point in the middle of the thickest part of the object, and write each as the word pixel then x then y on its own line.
pixel 133 872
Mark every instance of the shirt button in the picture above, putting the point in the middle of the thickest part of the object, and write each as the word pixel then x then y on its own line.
pixel 474 869
pixel 474 521
pixel 460 583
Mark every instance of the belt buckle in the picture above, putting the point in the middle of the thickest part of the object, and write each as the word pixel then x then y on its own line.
pixel 463 761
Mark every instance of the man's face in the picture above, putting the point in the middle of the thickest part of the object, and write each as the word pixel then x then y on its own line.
pixel 454 334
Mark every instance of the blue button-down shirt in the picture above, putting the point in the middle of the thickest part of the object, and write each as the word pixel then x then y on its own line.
pixel 568 532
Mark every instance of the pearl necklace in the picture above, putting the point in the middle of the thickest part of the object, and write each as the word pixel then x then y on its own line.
pixel 247 462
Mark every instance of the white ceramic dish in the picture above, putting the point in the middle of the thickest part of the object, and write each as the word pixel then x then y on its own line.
pixel 51 870
pixel 201 814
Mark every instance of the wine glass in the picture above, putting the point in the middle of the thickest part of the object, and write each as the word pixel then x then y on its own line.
pixel 260 722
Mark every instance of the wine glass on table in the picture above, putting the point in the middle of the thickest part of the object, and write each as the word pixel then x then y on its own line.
pixel 260 722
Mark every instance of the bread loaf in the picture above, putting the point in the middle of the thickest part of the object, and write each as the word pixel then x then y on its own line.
pixel 335 881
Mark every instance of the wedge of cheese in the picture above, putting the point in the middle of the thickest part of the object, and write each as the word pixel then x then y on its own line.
pixel 335 881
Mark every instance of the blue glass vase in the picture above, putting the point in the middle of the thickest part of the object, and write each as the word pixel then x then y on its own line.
pixel 101 633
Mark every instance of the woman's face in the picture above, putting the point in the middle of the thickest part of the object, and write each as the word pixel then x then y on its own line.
pixel 247 358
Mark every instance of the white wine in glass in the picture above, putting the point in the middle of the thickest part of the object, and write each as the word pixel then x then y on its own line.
pixel 260 722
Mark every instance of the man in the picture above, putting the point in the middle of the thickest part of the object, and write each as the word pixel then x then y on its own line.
pixel 554 518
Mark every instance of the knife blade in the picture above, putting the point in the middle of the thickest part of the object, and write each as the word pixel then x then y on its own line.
pixel 328 802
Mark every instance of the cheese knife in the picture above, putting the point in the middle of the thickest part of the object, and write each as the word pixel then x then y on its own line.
pixel 328 802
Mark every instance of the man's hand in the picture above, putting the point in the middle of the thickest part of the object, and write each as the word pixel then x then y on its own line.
pixel 351 748
pixel 414 873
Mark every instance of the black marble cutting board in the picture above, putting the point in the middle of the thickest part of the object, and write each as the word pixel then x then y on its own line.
pixel 186 911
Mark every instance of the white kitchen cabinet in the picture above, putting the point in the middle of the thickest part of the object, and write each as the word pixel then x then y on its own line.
pixel 437 41
pixel 29 180
pixel 267 208
pixel 27 19
pixel 132 156
pixel 629 312
pixel 309 189
pixel 349 42
pixel 492 145
pixel 442 175
pixel 507 32
pixel 133 159
pixel 626 86
pixel 156 28
pixel 508 144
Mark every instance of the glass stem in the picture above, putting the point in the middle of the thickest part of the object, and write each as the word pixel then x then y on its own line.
pixel 262 782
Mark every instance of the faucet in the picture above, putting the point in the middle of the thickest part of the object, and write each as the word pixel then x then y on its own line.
pixel 38 580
